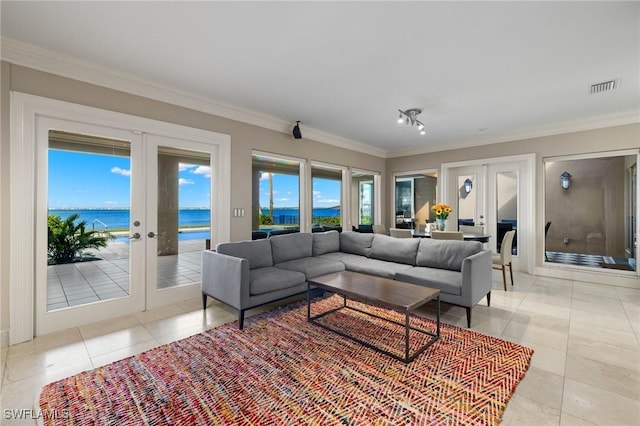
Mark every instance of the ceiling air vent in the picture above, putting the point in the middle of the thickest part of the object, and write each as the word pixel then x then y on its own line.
pixel 605 86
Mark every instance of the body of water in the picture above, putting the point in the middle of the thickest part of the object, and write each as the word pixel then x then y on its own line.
pixel 119 220
pixel 291 216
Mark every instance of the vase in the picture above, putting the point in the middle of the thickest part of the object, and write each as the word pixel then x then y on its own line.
pixel 440 224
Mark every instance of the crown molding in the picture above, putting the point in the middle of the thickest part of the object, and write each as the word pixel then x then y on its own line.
pixel 599 122
pixel 30 56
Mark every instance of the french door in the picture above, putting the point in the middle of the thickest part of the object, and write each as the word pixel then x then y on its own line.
pixel 122 220
pixel 179 191
pixel 498 198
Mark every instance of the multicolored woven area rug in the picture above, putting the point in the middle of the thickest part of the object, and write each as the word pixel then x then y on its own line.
pixel 281 370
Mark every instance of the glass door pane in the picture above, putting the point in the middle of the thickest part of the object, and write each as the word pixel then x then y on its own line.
pixel 507 207
pixel 183 215
pixel 89 193
pixel 179 219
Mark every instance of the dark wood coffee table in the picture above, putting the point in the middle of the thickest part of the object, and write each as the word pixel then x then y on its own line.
pixel 397 295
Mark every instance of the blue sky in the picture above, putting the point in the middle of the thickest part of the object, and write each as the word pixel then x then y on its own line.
pixel 326 193
pixel 80 180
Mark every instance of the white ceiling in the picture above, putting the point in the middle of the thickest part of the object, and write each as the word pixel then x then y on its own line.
pixel 481 71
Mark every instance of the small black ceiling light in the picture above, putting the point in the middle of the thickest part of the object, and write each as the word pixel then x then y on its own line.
pixel 468 185
pixel 297 134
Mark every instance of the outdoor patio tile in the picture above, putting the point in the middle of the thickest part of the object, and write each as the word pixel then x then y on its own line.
pixel 56 306
pixel 78 302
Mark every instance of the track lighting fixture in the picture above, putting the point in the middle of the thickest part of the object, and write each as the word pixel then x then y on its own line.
pixel 410 118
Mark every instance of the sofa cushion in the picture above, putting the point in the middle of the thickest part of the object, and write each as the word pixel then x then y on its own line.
pixel 291 246
pixel 356 243
pixel 343 257
pixel 325 242
pixel 445 254
pixel 312 266
pixel 380 268
pixel 267 280
pixel 401 250
pixel 258 252
pixel 446 281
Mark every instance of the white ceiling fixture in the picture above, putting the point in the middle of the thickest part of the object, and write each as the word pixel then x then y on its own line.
pixel 410 117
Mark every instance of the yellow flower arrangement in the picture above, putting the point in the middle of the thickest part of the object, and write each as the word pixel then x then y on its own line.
pixel 441 210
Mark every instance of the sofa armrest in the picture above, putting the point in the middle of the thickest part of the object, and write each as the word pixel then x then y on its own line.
pixel 225 278
pixel 476 277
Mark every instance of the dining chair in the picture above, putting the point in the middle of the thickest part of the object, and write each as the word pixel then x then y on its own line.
pixel 472 229
pixel 503 259
pixel 447 235
pixel 379 229
pixel 401 233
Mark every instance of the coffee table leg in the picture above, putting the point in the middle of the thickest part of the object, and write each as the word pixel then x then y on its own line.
pixel 308 301
pixel 438 316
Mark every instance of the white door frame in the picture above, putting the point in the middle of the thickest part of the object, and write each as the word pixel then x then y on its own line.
pixel 26 111
pixel 526 229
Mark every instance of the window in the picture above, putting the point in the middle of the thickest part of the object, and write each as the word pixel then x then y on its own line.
pixel 326 201
pixel 590 211
pixel 276 194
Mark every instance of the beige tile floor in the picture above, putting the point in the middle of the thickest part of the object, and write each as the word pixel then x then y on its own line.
pixel 585 369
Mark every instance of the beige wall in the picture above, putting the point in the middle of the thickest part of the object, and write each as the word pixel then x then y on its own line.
pixel 599 140
pixel 244 138
pixel 593 205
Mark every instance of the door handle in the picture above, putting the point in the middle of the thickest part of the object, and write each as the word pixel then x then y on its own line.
pixel 135 236
pixel 152 234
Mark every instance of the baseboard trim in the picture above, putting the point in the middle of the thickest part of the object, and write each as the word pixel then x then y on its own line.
pixel 4 339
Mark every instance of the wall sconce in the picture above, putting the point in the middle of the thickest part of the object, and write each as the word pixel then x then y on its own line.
pixel 565 180
pixel 468 185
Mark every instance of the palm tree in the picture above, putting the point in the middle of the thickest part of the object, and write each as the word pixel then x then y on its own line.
pixel 68 240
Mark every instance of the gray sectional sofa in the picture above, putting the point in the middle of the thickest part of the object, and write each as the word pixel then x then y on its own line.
pixel 247 274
